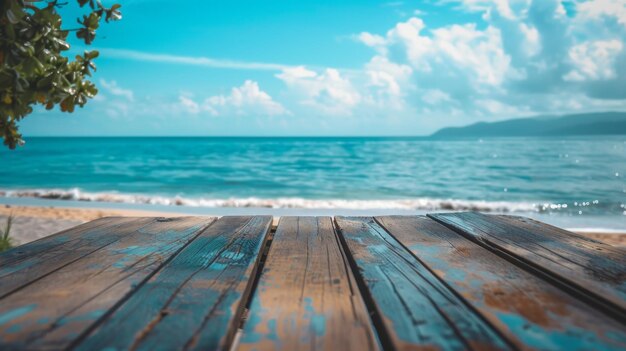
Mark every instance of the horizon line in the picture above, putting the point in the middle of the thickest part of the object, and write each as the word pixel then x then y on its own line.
pixel 227 136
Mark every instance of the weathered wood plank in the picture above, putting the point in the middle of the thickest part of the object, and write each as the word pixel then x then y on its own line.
pixel 53 311
pixel 592 267
pixel 196 300
pixel 531 312
pixel 307 298
pixel 27 263
pixel 417 310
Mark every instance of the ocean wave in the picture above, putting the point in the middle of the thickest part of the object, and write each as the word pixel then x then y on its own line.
pixel 426 204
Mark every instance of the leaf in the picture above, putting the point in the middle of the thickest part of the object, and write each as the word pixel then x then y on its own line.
pixel 92 54
pixel 93 21
pixel 62 44
pixel 6 79
pixel 46 81
pixel 113 14
pixel 81 100
pixel 10 31
pixel 15 13
pixel 12 17
pixel 32 65
pixel 40 97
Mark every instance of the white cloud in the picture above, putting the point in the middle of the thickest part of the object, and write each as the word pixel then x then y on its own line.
pixel 464 47
pixel 190 60
pixel 594 60
pixel 372 40
pixel 597 9
pixel 532 43
pixel 524 56
pixel 407 35
pixel 247 99
pixel 327 92
pixel 473 50
pixel 188 105
pixel 388 83
pixel 114 89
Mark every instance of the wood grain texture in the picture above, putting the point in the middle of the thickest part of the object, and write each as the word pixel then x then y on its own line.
pixel 307 298
pixel 27 263
pixel 417 310
pixel 590 266
pixel 531 312
pixel 53 311
pixel 195 301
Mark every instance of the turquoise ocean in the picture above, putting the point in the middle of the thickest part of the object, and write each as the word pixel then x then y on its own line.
pixel 579 180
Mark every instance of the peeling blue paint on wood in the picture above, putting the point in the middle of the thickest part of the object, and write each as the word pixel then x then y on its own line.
pixel 127 283
pixel 307 298
pixel 77 295
pixel 15 313
pixel 416 308
pixel 195 300
pixel 525 308
pixel 27 263
pixel 597 269
pixel 318 320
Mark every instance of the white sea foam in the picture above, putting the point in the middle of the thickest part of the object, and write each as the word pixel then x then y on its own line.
pixel 430 204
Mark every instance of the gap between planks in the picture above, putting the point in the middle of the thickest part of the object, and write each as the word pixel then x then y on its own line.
pixel 376 318
pixel 255 282
pixel 350 267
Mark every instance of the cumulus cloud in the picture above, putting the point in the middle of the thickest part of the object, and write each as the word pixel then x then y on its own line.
pixel 594 60
pixel 328 92
pixel 523 56
pixel 244 100
pixel 248 99
pixel 387 83
pixel 188 105
pixel 112 88
pixel 600 9
pixel 519 57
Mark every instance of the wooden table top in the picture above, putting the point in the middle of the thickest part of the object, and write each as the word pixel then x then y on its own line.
pixel 452 281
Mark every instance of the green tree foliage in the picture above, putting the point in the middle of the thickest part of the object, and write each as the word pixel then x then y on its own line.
pixel 5 236
pixel 33 69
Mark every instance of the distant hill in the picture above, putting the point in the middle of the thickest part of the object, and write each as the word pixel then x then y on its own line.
pixel 603 123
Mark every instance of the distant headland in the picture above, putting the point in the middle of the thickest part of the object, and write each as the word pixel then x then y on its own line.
pixel 600 123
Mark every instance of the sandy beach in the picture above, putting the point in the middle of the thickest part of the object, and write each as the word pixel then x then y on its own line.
pixel 31 222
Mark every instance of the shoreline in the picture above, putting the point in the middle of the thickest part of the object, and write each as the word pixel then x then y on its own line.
pixel 34 222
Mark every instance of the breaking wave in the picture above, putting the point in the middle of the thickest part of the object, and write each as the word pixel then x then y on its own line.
pixel 429 204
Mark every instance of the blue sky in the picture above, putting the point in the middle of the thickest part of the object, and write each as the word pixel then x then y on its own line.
pixel 345 67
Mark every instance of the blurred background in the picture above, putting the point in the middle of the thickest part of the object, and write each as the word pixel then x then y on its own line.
pixel 326 107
